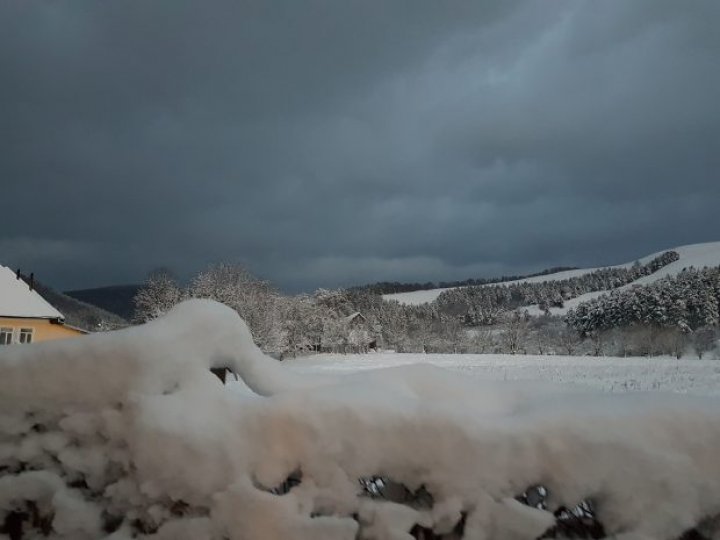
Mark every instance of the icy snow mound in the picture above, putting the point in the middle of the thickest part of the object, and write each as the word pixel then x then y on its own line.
pixel 697 255
pixel 128 435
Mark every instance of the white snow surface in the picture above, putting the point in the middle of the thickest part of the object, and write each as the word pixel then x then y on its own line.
pixel 131 425
pixel 606 374
pixel 415 298
pixel 17 300
pixel 697 255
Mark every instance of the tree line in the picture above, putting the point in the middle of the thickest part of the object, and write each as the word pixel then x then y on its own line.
pixel 682 309
pixel 672 316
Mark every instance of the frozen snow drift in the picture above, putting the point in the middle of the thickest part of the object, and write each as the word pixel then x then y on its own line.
pixel 128 435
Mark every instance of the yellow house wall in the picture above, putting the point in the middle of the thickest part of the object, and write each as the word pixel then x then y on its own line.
pixel 43 329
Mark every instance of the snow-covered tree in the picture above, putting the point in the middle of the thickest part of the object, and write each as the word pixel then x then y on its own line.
pixel 688 301
pixel 254 299
pixel 157 296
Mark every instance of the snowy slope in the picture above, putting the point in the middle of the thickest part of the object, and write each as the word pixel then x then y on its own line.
pixel 697 255
pixel 415 298
pixel 572 303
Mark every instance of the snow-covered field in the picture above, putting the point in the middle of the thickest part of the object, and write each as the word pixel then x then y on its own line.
pixel 608 374
pixel 697 255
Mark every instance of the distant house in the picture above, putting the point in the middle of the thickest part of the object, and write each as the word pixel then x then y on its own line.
pixel 357 319
pixel 360 335
pixel 25 316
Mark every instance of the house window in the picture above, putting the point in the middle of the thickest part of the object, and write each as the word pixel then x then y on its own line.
pixel 6 336
pixel 26 335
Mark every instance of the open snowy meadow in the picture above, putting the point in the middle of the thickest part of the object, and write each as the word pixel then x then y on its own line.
pixel 607 374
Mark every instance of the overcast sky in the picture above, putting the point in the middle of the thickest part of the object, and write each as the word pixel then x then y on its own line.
pixel 327 143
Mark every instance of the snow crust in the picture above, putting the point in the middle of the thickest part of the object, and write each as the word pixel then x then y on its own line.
pixel 697 255
pixel 128 435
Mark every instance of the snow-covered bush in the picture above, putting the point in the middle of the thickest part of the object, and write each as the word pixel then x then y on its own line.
pixel 129 435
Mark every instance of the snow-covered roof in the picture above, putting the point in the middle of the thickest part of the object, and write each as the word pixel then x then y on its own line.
pixel 17 300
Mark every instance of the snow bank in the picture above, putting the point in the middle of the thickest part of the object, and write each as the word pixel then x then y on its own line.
pixel 128 435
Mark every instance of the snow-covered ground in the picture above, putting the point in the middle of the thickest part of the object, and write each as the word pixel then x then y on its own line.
pixel 697 255
pixel 127 435
pixel 609 374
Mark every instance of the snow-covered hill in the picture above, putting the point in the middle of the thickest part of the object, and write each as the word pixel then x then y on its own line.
pixel 697 255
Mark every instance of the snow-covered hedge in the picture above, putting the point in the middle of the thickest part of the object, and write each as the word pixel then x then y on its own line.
pixel 129 435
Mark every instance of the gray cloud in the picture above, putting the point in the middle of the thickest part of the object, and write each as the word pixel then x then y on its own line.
pixel 325 143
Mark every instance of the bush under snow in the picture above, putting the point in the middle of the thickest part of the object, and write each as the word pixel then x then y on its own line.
pixel 129 435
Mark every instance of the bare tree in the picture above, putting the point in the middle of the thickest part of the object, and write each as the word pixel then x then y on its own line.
pixel 569 340
pixel 515 331
pixel 597 341
pixel 543 330
pixel 481 340
pixel 672 341
pixel 454 333
pixel 704 340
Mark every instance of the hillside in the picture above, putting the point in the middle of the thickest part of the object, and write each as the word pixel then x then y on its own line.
pixel 695 255
pixel 117 299
pixel 78 313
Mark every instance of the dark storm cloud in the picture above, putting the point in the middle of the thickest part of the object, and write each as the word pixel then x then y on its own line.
pixel 327 143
